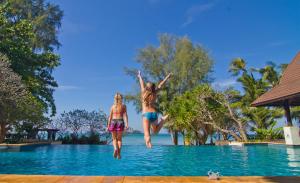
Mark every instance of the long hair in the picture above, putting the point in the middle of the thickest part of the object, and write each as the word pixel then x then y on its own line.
pixel 150 94
pixel 118 102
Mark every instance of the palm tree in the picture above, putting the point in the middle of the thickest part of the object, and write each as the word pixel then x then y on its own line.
pixel 253 87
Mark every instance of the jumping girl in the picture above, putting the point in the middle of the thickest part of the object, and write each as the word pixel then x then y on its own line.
pixel 150 116
pixel 118 114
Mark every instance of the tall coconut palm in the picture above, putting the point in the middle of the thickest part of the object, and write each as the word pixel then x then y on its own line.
pixel 255 82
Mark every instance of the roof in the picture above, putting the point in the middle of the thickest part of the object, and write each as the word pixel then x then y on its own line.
pixel 287 89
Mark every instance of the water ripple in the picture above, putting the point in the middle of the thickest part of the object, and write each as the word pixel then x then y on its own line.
pixel 257 160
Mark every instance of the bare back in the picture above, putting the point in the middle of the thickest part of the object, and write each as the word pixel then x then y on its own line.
pixel 118 111
pixel 149 105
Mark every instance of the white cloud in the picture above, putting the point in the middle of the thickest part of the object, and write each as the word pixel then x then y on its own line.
pixel 188 21
pixel 224 84
pixel 196 10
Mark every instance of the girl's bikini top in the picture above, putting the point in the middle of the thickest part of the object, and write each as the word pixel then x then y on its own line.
pixel 117 112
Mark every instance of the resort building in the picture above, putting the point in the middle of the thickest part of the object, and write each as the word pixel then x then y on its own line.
pixel 286 94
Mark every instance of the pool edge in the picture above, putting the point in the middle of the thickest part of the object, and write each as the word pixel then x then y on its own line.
pixel 15 178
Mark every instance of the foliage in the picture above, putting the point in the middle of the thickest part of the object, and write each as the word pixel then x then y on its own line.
pixel 189 63
pixel 184 113
pixel 16 103
pixel 255 82
pixel 28 32
pixel 203 111
pixel 30 128
pixel 44 16
pixel 81 126
pixel 271 133
pixel 12 91
pixel 96 121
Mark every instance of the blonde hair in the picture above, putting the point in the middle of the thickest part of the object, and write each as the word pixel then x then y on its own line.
pixel 150 94
pixel 118 99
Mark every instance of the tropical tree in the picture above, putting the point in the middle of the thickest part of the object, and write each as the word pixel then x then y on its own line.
pixel 185 116
pixel 28 34
pixel 16 103
pixel 272 74
pixel 255 82
pixel 189 62
pixel 44 16
pixel 75 120
pixel 203 111
pixel 96 121
pixel 79 123
pixel 30 127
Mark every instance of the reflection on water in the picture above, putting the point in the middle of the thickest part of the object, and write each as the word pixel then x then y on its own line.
pixel 21 148
pixel 260 160
pixel 160 139
pixel 3 148
pixel 293 156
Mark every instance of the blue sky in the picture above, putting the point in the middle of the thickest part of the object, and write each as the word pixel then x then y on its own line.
pixel 99 38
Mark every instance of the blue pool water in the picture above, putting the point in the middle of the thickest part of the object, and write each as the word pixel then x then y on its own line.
pixel 160 139
pixel 160 160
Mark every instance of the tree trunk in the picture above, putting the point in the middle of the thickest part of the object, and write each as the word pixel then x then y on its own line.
pixel 2 132
pixel 201 139
pixel 243 133
pixel 238 122
pixel 175 137
pixel 235 136
pixel 225 136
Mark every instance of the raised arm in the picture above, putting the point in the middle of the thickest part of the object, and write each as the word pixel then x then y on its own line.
pixel 160 85
pixel 142 85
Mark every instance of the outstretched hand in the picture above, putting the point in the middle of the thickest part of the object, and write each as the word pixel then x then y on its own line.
pixel 139 73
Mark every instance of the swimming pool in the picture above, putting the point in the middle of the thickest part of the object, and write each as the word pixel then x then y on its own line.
pixel 263 160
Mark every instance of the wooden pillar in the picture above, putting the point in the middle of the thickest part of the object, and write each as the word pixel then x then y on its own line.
pixel 49 135
pixel 287 113
pixel 53 135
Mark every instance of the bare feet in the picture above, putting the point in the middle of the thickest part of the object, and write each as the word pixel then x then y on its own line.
pixel 159 125
pixel 165 117
pixel 148 141
pixel 115 153
pixel 119 154
pixel 149 145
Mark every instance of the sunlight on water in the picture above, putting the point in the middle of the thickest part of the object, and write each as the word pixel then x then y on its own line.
pixel 161 139
pixel 293 156
pixel 263 160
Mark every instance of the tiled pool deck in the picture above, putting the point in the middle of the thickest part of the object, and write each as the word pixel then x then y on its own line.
pixel 132 179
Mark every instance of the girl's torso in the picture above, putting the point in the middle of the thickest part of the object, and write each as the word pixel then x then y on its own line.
pixel 118 111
